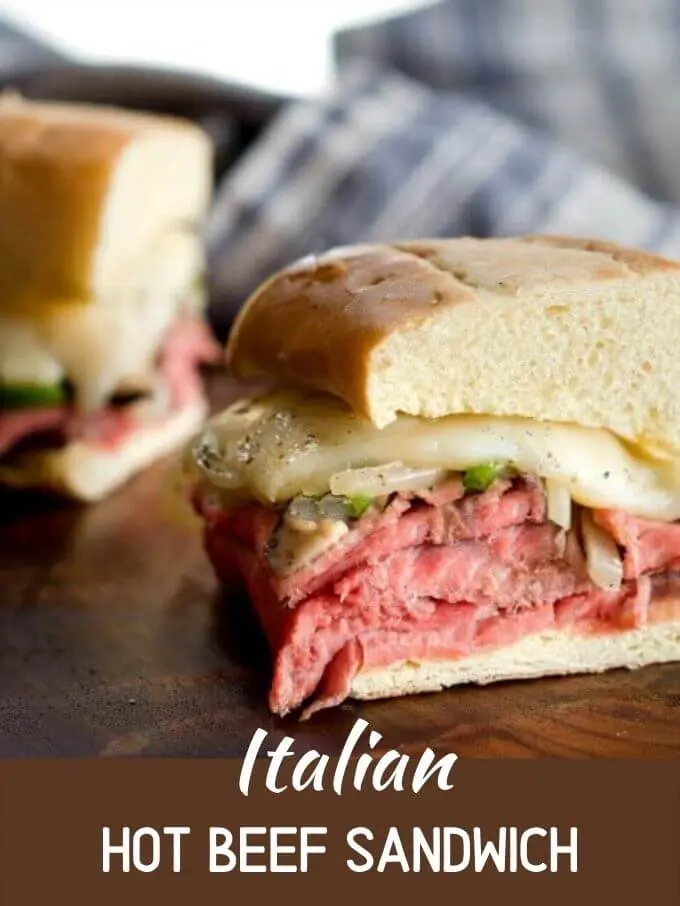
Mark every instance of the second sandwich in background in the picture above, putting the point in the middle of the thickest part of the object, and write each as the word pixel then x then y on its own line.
pixel 471 473
pixel 102 294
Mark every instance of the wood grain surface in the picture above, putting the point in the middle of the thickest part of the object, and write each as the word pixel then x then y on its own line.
pixel 115 640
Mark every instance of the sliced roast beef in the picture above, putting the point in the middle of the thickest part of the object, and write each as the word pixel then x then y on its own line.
pixel 408 521
pixel 456 631
pixel 515 568
pixel 187 346
pixel 431 577
pixel 17 424
pixel 648 545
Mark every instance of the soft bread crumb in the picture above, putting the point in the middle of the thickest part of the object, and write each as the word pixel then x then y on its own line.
pixel 558 329
pixel 555 653
pixel 88 474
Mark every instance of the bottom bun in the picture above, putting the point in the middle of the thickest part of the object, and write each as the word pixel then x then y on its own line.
pixel 555 653
pixel 88 473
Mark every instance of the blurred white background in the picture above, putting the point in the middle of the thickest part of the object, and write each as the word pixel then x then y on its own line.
pixel 275 44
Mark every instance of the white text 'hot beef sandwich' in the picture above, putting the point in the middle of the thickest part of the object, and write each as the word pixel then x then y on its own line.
pixel 101 292
pixel 471 474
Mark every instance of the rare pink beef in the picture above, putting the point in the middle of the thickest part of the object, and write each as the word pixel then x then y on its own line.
pixel 187 345
pixel 648 546
pixel 433 576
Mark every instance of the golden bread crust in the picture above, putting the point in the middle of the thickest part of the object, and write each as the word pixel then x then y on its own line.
pixel 319 321
pixel 57 163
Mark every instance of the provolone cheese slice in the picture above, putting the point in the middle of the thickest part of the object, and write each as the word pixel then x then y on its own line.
pixel 291 443
pixel 98 344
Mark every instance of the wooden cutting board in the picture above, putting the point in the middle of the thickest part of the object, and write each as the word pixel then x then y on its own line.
pixel 115 640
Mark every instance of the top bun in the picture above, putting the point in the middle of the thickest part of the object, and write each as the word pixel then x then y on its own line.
pixel 86 193
pixel 560 329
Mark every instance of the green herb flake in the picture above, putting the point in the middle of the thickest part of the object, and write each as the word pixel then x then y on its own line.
pixel 357 505
pixel 481 477
pixel 29 396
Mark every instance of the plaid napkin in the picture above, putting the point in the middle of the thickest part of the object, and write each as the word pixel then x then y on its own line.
pixel 22 53
pixel 481 117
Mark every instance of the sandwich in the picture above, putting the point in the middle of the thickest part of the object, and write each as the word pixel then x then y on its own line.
pixel 467 468
pixel 102 292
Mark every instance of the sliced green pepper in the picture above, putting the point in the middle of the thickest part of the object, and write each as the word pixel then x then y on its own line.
pixel 357 505
pixel 31 396
pixel 480 477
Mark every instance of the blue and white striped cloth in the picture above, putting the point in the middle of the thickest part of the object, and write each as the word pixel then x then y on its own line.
pixel 482 117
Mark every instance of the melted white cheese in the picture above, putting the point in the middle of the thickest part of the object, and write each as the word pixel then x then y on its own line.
pixel 24 357
pixel 99 343
pixel 295 547
pixel 286 444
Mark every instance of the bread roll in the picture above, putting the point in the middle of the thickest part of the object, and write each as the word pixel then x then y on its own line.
pixel 558 329
pixel 86 193
pixel 557 653
pixel 87 473
pixel 100 259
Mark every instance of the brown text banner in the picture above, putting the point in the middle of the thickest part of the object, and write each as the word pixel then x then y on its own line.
pixel 586 832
